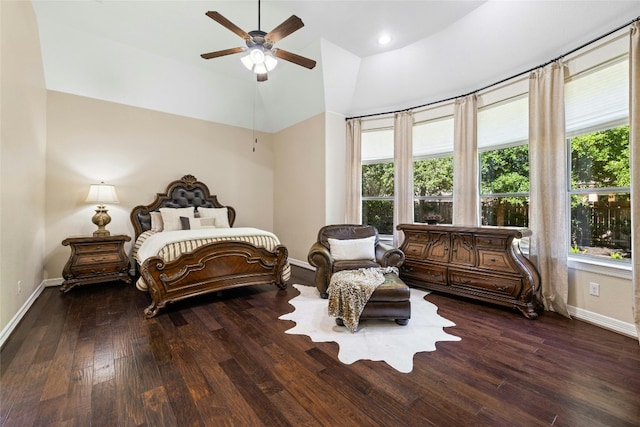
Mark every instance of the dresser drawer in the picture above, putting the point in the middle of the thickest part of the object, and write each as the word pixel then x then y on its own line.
pixel 497 242
pixel 495 284
pixel 428 273
pixel 494 260
pixel 415 250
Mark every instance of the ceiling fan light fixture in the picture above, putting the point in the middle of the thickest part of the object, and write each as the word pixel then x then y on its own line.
pixel 259 61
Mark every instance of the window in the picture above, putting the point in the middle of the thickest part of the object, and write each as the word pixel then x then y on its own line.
pixel 378 179
pixel 433 171
pixel 504 163
pixel 597 119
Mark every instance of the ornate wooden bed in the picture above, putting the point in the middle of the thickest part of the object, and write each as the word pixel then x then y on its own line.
pixel 208 268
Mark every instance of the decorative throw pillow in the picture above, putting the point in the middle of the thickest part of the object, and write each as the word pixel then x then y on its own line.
pixel 352 249
pixel 221 216
pixel 197 223
pixel 171 217
pixel 156 221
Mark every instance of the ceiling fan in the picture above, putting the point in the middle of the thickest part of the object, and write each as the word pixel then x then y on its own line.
pixel 262 55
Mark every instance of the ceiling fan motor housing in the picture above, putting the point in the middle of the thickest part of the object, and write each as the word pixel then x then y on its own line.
pixel 258 38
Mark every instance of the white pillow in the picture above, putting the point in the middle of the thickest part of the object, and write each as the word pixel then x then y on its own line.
pixel 353 249
pixel 197 223
pixel 156 221
pixel 171 217
pixel 221 216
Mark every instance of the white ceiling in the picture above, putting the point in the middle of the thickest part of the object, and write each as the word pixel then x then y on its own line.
pixel 147 53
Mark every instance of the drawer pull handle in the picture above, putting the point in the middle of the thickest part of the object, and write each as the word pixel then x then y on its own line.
pixel 492 259
pixel 98 259
pixel 407 268
pixel 98 247
pixel 98 272
pixel 501 288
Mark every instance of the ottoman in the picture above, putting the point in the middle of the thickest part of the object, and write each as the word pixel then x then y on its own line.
pixel 390 300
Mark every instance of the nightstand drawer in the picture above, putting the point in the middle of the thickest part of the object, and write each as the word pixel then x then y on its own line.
pixel 97 269
pixel 98 258
pixel 98 247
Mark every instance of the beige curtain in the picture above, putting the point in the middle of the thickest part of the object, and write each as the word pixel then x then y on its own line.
pixel 354 174
pixel 403 171
pixel 548 217
pixel 465 162
pixel 634 148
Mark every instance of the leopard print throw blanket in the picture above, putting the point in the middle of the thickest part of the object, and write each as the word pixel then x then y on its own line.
pixel 350 290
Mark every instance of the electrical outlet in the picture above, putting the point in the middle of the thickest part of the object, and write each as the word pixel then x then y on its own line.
pixel 594 289
pixel 19 290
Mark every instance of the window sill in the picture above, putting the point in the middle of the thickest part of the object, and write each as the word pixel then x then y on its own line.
pixel 604 267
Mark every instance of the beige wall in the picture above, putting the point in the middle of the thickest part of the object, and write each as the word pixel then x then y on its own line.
pixel 22 158
pixel 615 302
pixel 299 185
pixel 140 151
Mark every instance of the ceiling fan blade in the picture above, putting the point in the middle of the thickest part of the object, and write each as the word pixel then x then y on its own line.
pixel 218 53
pixel 283 30
pixel 227 24
pixel 262 77
pixel 296 59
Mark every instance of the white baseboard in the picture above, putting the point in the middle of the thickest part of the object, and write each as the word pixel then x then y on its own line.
pixel 605 322
pixel 302 264
pixel 13 323
pixel 53 282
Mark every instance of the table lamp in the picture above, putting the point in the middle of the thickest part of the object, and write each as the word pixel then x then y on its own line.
pixel 101 193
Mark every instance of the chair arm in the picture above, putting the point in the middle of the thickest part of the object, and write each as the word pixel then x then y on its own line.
pixel 320 258
pixel 388 256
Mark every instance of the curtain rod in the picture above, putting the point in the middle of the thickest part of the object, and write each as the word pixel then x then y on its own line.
pixel 503 80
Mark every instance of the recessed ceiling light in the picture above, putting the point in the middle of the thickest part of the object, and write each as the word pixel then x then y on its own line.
pixel 384 39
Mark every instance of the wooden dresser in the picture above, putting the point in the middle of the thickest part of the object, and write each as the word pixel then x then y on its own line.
pixel 94 260
pixel 484 263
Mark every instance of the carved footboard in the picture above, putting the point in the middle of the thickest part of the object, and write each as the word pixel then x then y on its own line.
pixel 210 268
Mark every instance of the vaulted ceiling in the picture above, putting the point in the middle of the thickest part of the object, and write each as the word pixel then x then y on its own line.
pixel 147 53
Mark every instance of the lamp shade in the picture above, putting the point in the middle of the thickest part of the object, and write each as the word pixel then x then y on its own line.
pixel 102 193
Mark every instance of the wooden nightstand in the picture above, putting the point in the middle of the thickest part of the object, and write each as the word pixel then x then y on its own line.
pixel 95 260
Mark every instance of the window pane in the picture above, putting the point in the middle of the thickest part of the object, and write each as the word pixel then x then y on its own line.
pixel 378 213
pixel 601 159
pixel 505 170
pixel 433 211
pixel 377 180
pixel 601 225
pixel 505 211
pixel 433 177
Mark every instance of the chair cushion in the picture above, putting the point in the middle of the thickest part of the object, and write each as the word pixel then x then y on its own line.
pixel 354 264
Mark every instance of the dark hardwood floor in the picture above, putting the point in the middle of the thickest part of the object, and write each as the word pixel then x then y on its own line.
pixel 89 358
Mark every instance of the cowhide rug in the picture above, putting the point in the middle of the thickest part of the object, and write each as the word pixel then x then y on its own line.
pixel 378 340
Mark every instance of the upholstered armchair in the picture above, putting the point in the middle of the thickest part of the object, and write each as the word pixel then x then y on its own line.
pixel 321 257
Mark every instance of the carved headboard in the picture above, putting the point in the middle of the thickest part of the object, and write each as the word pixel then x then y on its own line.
pixel 185 192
